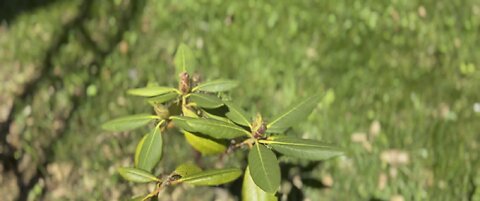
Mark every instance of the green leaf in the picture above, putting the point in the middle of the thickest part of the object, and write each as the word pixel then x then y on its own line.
pixel 181 122
pixel 212 177
pixel 237 114
pixel 251 192
pixel 204 145
pixel 264 168
pixel 303 148
pixel 295 114
pixel 136 175
pixel 151 91
pixel 213 128
pixel 151 151
pixel 216 86
pixel 184 59
pixel 188 112
pixel 138 149
pixel 162 98
pixel 205 100
pixel 187 169
pixel 128 122
pixel 216 117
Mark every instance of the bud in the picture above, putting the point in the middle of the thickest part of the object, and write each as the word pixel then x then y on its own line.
pixel 184 82
pixel 259 127
pixel 262 128
pixel 161 111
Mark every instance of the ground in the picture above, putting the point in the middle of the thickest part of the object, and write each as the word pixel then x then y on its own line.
pixel 402 76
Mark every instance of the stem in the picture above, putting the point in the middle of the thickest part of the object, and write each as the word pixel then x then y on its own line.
pixel 158 126
pixel 155 117
pixel 265 141
pixel 155 192
pixel 236 146
pixel 184 100
pixel 162 125
pixel 178 92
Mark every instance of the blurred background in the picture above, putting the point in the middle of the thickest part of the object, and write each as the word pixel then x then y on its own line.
pixel 404 99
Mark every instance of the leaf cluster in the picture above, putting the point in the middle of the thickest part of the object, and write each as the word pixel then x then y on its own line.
pixel 211 126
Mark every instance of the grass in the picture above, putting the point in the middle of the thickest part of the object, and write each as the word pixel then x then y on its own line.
pixel 412 67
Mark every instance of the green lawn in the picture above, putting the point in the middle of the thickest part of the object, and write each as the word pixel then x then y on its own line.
pixel 403 77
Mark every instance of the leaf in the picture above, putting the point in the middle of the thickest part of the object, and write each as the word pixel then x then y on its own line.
pixel 251 192
pixel 264 168
pixel 128 122
pixel 138 149
pixel 136 175
pixel 216 86
pixel 188 112
pixel 295 114
pixel 212 177
pixel 205 100
pixel 181 122
pixel 237 114
pixel 213 128
pixel 187 169
pixel 150 91
pixel 216 117
pixel 184 59
pixel 162 98
pixel 204 145
pixel 303 148
pixel 151 151
pixel 217 129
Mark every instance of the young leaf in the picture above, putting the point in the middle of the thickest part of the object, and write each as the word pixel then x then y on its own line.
pixel 136 175
pixel 205 100
pixel 204 145
pixel 151 91
pixel 212 177
pixel 303 148
pixel 251 192
pixel 237 115
pixel 293 115
pixel 264 168
pixel 187 169
pixel 216 86
pixel 184 59
pixel 128 122
pixel 162 98
pixel 151 151
pixel 214 128
pixel 138 149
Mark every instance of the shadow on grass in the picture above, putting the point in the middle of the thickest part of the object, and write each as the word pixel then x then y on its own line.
pixel 10 9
